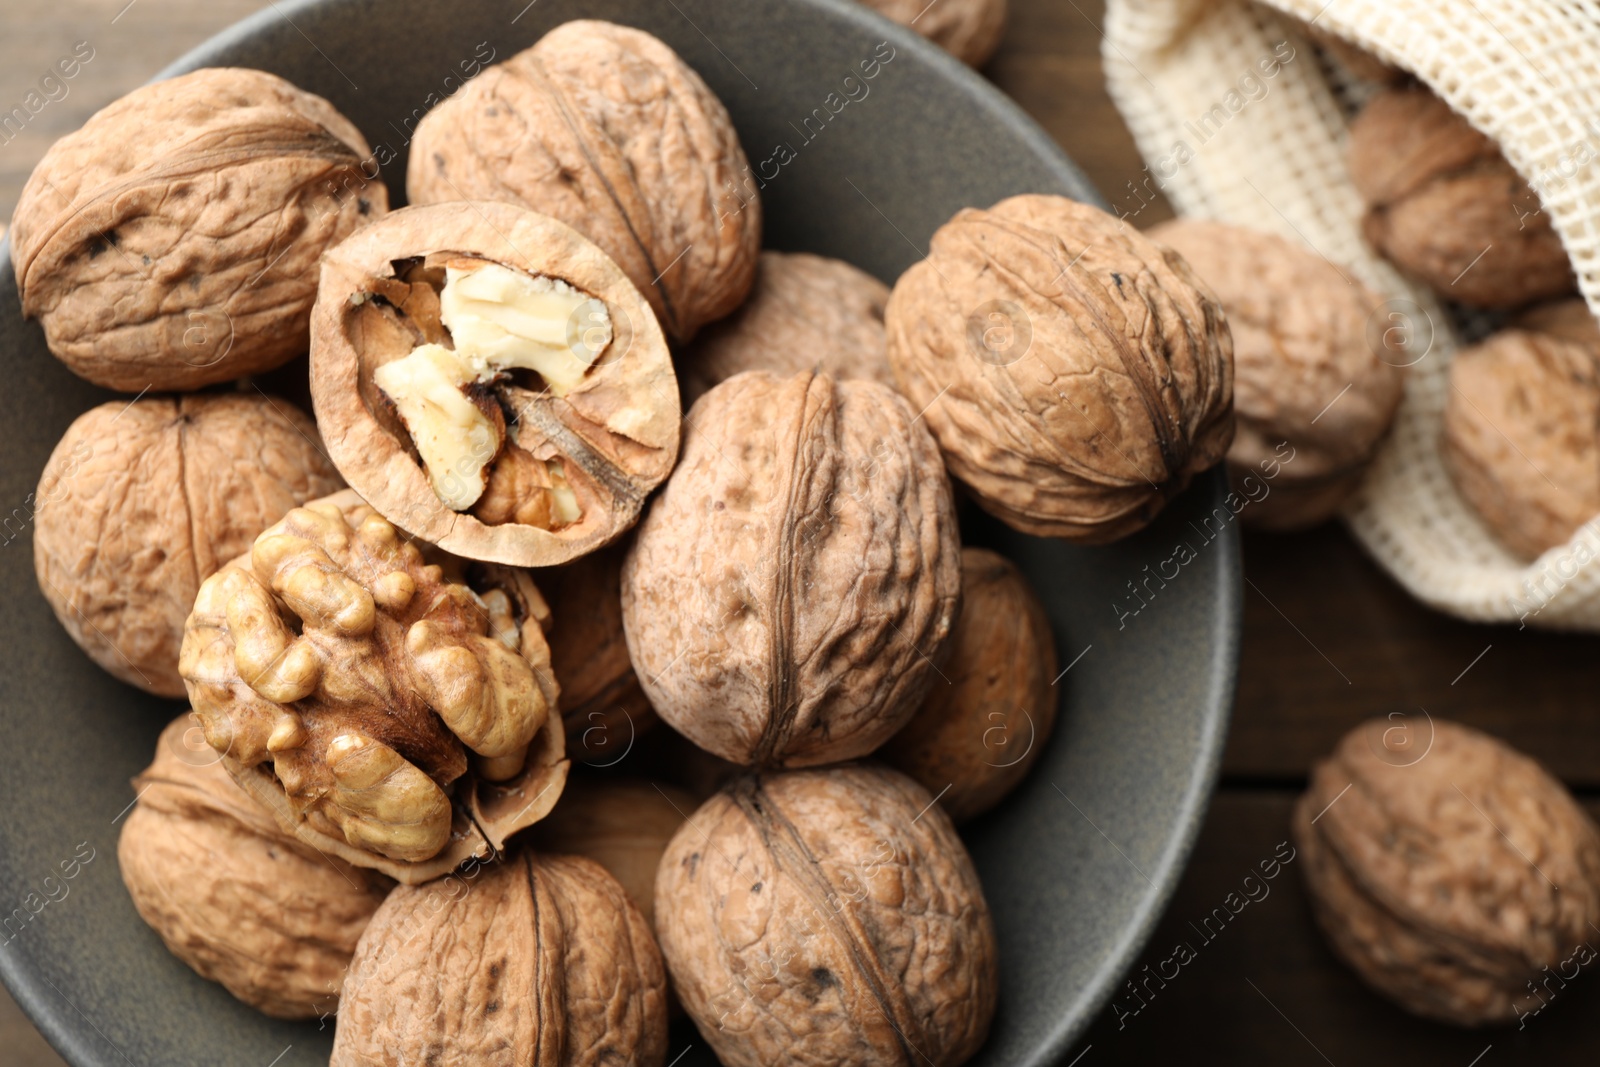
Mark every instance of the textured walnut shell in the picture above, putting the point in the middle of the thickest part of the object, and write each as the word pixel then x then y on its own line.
pixel 345 682
pixel 1452 870
pixel 1076 374
pixel 1439 193
pixel 970 30
pixel 1312 399
pixel 537 960
pixel 173 240
pixel 990 713
pixel 615 434
pixel 1522 436
pixel 828 916
pixel 232 895
pixel 623 824
pixel 141 502
pixel 788 593
pixel 805 313
pixel 606 129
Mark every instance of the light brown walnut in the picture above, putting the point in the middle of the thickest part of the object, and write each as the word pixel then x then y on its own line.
pixel 970 30
pixel 173 240
pixel 789 593
pixel 139 503
pixel 828 916
pixel 1076 374
pixel 1447 869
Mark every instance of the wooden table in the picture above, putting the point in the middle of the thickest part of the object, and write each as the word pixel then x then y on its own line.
pixel 1329 639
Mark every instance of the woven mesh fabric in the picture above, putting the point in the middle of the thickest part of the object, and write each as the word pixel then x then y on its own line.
pixel 1271 156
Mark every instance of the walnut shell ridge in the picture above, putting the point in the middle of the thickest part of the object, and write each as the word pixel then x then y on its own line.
pixel 1305 374
pixel 970 30
pixel 607 129
pixel 789 592
pixel 828 916
pixel 535 959
pixel 172 242
pixel 234 897
pixel 139 503
pixel 1076 374
pixel 1447 869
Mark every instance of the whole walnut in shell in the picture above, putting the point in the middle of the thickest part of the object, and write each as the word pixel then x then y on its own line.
pixel 139 503
pixel 606 129
pixel 1522 433
pixel 1447 869
pixel 173 240
pixel 970 30
pixel 231 894
pixel 827 916
pixel 1444 204
pixel 789 592
pixel 536 959
pixel 382 711
pixel 491 382
pixel 805 313
pixel 1312 398
pixel 1076 374
pixel 990 713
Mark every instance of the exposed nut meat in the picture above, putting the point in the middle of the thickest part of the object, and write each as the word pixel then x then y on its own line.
pixel 346 682
pixel 606 129
pixel 1312 397
pixel 1076 374
pixel 534 960
pixel 970 30
pixel 233 896
pixel 139 503
pixel 814 917
pixel 1451 871
pixel 173 240
pixel 788 593
pixel 490 381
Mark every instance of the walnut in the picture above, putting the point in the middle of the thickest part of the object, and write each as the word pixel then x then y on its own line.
pixel 1521 433
pixel 623 824
pixel 1076 374
pixel 1445 205
pixel 789 592
pixel 990 713
pixel 345 681
pixel 1447 869
pixel 489 381
pixel 232 895
pixel 827 916
pixel 537 959
pixel 1313 397
pixel 805 313
pixel 970 30
pixel 173 240
pixel 140 502
pixel 606 129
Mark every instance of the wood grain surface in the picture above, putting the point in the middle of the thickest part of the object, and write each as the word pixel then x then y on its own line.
pixel 1329 639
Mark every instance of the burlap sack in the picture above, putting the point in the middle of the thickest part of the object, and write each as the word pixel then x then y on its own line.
pixel 1226 139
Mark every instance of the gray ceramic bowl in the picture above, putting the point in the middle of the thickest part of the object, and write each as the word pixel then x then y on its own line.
pixel 1077 865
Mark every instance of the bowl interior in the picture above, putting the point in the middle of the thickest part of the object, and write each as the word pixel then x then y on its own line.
pixel 1077 864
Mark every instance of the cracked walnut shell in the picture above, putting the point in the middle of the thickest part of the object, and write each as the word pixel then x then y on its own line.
pixel 172 242
pixel 383 712
pixel 536 959
pixel 970 30
pixel 1444 204
pixel 1076 374
pixel 1447 869
pixel 491 382
pixel 139 503
pixel 788 593
pixel 827 916
pixel 607 129
pixel 1305 374
pixel 234 897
